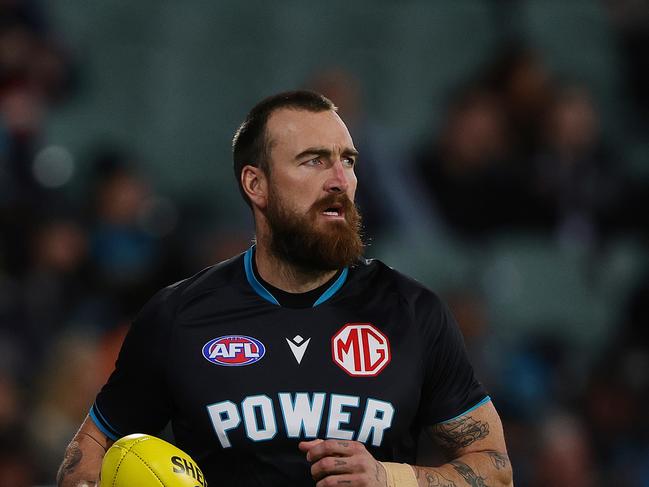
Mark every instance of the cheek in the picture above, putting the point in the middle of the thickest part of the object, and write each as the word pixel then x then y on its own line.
pixel 298 202
pixel 351 191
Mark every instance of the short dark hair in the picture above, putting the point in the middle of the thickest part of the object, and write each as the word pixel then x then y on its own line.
pixel 250 145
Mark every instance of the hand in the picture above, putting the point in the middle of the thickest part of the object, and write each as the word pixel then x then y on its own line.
pixel 342 462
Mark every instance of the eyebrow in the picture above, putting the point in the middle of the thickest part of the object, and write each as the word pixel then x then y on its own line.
pixel 323 151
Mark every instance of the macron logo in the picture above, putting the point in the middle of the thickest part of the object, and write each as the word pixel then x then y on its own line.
pixel 298 346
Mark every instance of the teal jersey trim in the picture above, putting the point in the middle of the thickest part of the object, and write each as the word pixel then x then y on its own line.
pixel 484 401
pixel 267 295
pixel 250 275
pixel 333 289
pixel 103 425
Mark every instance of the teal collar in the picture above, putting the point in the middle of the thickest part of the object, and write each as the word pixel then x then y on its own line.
pixel 267 295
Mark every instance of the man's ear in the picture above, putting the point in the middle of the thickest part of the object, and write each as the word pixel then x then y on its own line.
pixel 255 185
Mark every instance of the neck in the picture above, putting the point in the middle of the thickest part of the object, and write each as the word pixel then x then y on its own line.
pixel 284 275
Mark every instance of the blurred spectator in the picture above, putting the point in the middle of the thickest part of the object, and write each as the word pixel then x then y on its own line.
pixel 631 18
pixel 52 286
pixel 532 372
pixel 16 468
pixel 34 74
pixel 523 85
pixel 576 180
pixel 467 171
pixel 565 456
pixel 11 405
pixel 128 224
pixel 39 302
pixel 11 358
pixel 122 251
pixel 212 247
pixel 636 331
pixel 617 423
pixel 483 346
pixel 69 384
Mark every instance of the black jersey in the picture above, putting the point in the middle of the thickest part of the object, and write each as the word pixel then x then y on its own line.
pixel 243 379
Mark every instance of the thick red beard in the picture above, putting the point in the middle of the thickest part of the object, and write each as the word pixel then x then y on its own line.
pixel 302 240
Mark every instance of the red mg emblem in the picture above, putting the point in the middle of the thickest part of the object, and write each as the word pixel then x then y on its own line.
pixel 360 349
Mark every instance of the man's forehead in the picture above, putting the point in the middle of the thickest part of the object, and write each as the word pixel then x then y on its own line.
pixel 294 127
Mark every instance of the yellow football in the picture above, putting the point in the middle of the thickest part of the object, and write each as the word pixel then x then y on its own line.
pixel 146 461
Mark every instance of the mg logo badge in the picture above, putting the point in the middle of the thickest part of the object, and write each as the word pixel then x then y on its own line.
pixel 360 349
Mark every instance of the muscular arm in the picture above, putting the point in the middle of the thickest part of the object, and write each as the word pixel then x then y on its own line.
pixel 83 456
pixel 475 445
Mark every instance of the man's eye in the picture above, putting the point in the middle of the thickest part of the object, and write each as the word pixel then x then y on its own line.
pixel 349 161
pixel 314 162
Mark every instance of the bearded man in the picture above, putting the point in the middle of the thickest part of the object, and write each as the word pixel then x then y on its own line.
pixel 299 362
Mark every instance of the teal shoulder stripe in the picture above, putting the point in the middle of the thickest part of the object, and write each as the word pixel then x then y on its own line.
pixel 103 425
pixel 333 289
pixel 254 283
pixel 484 401
pixel 259 288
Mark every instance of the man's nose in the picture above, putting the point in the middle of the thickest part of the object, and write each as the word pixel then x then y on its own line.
pixel 338 180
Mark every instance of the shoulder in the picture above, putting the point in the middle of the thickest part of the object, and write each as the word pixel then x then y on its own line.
pixel 377 277
pixel 209 280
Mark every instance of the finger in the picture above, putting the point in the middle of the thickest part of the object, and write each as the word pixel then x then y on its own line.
pixel 305 446
pixel 340 480
pixel 333 448
pixel 333 466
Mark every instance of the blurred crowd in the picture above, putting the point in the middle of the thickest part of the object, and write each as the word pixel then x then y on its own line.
pixel 518 150
pixel 522 152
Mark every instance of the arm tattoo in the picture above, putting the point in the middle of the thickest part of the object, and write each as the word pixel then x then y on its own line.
pixel 498 459
pixel 471 478
pixel 93 439
pixel 433 479
pixel 73 456
pixel 460 433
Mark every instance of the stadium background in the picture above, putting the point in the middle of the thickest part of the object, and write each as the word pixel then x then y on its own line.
pixel 504 163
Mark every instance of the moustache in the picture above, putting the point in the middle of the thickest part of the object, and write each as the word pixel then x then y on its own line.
pixel 334 200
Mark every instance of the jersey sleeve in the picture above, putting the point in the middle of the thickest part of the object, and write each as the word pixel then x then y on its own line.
pixel 451 388
pixel 135 398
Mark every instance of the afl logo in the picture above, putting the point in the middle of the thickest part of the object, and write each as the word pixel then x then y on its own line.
pixel 234 350
pixel 360 349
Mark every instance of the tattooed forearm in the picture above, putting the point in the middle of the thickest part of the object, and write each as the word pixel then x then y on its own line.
pixel 433 479
pixel 72 458
pixel 103 446
pixel 460 433
pixel 467 473
pixel 499 460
